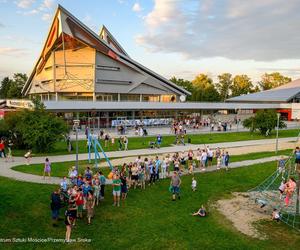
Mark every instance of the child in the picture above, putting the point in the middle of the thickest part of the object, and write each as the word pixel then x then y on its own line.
pixel 281 164
pixel 79 202
pixel 97 189
pixel 191 168
pixel 226 160
pixel 28 157
pixel 194 184
pixel 124 188
pixel 275 215
pixel 282 188
pixel 201 212
pixel 219 162
pixel 47 168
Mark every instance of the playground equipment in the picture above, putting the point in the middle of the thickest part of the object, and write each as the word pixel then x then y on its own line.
pixel 268 192
pixel 94 144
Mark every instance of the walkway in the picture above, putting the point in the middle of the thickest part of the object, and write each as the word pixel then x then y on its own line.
pixel 5 168
pixel 10 173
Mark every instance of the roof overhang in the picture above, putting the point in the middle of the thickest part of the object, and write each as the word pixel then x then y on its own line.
pixel 73 106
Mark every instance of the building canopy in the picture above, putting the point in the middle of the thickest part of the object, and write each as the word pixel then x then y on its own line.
pixel 289 92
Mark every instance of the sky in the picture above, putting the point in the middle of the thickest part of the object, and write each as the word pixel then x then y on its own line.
pixel 179 38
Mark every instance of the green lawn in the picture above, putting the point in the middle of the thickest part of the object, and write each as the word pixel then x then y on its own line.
pixel 60 169
pixel 143 142
pixel 147 220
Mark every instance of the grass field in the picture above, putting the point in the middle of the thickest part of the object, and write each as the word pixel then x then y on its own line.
pixel 143 142
pixel 147 219
pixel 60 169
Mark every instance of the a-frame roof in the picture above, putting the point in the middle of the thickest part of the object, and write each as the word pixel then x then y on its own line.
pixel 65 23
pixel 282 93
pixel 107 37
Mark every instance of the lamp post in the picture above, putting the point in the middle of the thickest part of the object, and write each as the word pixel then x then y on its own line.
pixel 277 128
pixel 76 125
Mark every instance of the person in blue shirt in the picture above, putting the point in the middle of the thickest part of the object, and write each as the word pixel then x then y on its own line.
pixel 158 141
pixel 64 184
pixel 151 172
pixel 226 160
pixel 86 188
pixel 157 166
pixel 297 159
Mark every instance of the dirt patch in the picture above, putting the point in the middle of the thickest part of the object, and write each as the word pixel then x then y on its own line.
pixel 243 213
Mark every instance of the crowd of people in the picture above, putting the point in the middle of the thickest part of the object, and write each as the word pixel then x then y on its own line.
pixel 80 193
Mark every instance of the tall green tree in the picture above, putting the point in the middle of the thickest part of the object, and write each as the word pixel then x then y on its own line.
pixel 264 121
pixel 11 88
pixel 224 85
pixel 187 85
pixel 204 89
pixel 241 85
pixel 273 80
pixel 4 88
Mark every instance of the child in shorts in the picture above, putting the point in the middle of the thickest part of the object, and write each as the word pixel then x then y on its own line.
pixel 194 184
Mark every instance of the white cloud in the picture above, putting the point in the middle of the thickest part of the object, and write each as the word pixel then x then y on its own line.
pixel 137 7
pixel 240 30
pixel 49 4
pixel 25 4
pixel 46 17
pixel 8 51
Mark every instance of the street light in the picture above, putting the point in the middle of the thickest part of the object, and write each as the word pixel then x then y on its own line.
pixel 76 125
pixel 277 128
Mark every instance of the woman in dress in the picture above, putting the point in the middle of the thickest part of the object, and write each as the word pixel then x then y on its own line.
pixel 90 203
pixel 47 168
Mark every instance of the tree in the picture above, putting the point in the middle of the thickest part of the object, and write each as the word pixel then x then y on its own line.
pixel 187 85
pixel 36 129
pixel 204 89
pixel 273 80
pixel 224 85
pixel 241 85
pixel 11 88
pixel 5 84
pixel 264 121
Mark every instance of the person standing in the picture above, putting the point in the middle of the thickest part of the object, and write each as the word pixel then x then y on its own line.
pixel 116 190
pixel 28 157
pixel 102 184
pixel 125 141
pixel 68 222
pixel 9 148
pixel 175 185
pixel 158 140
pixel 163 169
pixel 89 205
pixel 47 169
pixel 151 172
pixel 2 149
pixel 226 160
pixel 157 167
pixel 55 206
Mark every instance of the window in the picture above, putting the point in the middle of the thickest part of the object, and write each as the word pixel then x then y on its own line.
pixel 130 98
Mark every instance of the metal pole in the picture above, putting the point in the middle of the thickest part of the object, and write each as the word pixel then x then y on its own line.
pixel 277 128
pixel 77 148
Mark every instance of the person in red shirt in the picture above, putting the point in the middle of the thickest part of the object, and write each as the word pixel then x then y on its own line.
pixel 2 149
pixel 79 202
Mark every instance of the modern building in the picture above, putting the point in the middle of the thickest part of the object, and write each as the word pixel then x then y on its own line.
pixel 83 74
pixel 77 64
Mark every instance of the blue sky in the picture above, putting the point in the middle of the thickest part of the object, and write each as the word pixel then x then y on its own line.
pixel 172 37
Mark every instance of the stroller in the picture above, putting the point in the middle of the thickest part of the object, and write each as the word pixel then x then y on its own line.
pixel 152 144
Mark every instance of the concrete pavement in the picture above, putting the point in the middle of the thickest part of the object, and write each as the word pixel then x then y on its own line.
pixel 5 167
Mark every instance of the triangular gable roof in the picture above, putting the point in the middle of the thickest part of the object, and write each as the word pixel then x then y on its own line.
pixel 108 38
pixel 70 25
pixel 282 93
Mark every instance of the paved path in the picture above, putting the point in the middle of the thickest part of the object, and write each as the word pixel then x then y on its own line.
pixel 5 168
pixel 8 172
